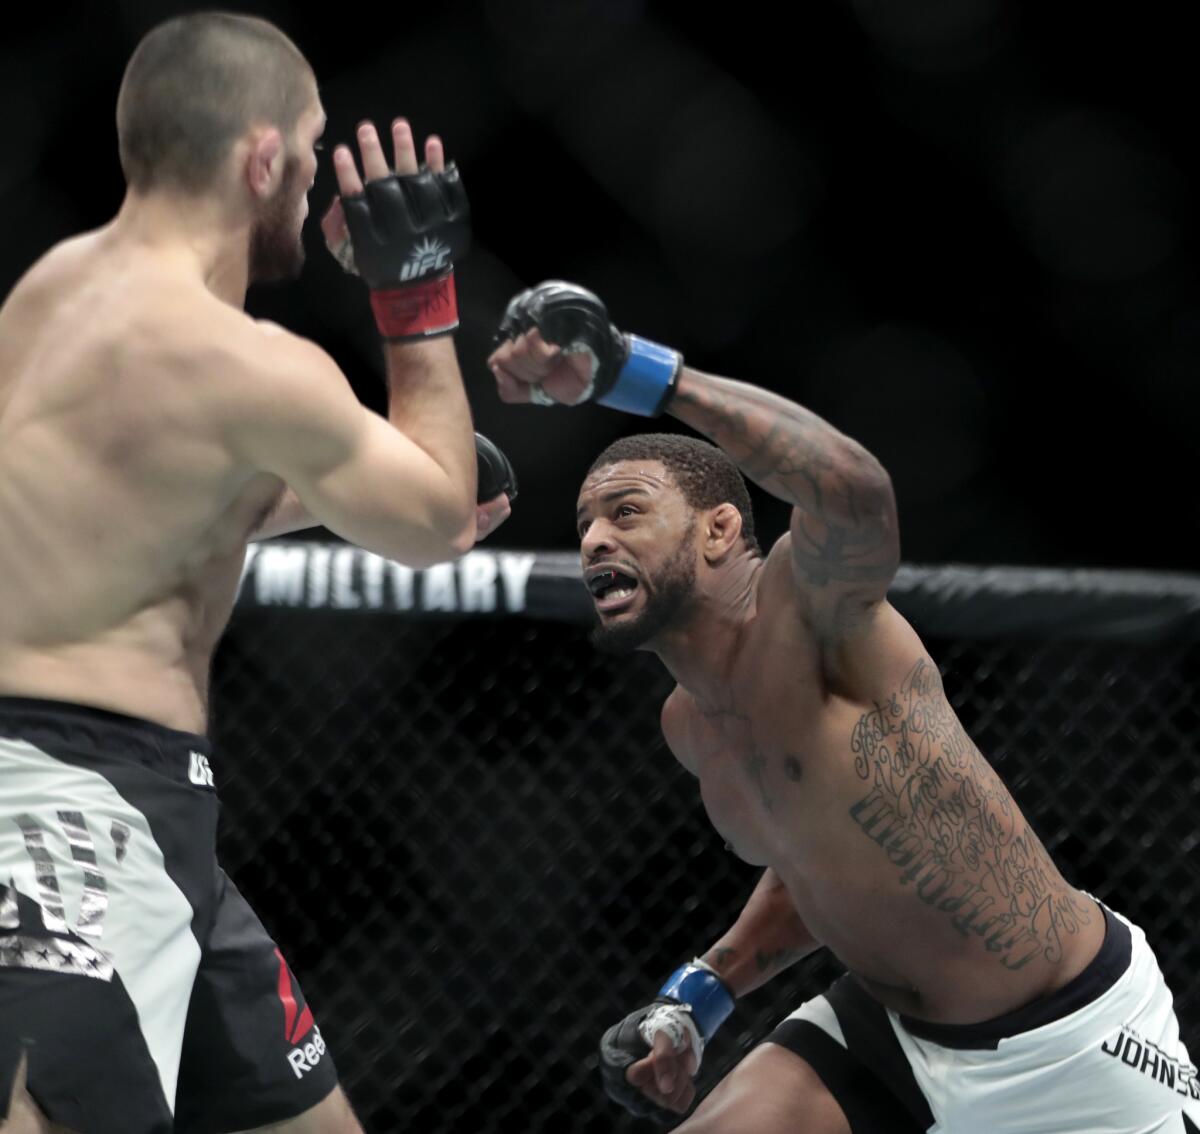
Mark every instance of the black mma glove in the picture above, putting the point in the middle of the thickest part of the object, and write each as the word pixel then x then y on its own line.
pixel 691 1006
pixel 496 474
pixel 620 1047
pixel 406 233
pixel 628 373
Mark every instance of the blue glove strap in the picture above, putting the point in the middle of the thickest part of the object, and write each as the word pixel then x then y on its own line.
pixel 706 993
pixel 646 380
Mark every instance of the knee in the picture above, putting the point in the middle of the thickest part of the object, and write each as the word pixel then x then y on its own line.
pixel 772 1091
pixel 333 1115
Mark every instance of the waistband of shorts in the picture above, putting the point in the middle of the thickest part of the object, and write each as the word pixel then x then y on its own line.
pixel 85 729
pixel 1105 969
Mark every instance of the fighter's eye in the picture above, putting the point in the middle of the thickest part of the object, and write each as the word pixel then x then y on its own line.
pixel 319 146
pixel 627 510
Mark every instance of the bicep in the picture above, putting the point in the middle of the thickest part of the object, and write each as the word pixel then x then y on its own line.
pixel 858 638
pixel 352 470
pixel 358 474
pixel 841 570
pixel 858 552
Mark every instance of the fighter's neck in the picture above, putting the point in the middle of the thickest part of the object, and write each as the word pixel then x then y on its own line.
pixel 195 234
pixel 700 653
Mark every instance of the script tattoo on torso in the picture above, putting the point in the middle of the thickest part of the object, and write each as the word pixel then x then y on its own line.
pixel 946 822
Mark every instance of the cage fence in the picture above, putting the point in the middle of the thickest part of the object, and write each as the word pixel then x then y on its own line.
pixel 460 822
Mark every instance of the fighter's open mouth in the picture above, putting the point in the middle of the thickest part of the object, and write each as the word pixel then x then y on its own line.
pixel 612 584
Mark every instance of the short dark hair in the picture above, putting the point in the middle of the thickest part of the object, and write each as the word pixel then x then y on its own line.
pixel 704 474
pixel 192 88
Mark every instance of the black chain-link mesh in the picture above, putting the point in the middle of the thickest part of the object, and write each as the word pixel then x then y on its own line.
pixel 470 842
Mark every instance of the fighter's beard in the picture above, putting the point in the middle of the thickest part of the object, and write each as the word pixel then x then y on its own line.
pixel 663 601
pixel 276 249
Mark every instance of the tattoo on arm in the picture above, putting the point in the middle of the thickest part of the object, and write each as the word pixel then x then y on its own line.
pixel 846 530
pixel 721 956
pixel 774 959
pixel 769 936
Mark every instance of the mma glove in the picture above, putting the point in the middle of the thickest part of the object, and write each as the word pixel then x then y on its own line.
pixel 691 1006
pixel 496 474
pixel 405 234
pixel 627 372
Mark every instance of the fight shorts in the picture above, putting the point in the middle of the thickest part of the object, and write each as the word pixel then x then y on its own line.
pixel 1102 1054
pixel 138 984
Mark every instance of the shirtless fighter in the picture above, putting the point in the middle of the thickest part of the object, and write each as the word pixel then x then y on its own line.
pixel 148 429
pixel 985 993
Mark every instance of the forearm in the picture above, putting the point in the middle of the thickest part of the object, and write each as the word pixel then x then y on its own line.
pixel 428 404
pixel 767 937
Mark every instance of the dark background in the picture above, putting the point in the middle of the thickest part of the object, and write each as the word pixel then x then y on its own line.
pixel 960 229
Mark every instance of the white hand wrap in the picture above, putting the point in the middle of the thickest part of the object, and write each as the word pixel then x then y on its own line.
pixel 676 1020
pixel 343 253
pixel 539 397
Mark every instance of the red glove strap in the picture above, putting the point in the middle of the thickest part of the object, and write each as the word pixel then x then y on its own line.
pixel 418 311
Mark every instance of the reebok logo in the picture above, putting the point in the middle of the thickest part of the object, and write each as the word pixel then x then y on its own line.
pixel 296 1020
pixel 304 1059
pixel 297 1023
pixel 428 256
pixel 199 770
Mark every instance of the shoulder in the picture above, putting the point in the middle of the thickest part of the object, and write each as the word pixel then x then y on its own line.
pixel 831 611
pixel 273 338
pixel 65 257
pixel 284 403
pixel 45 279
pixel 258 368
pixel 284 357
pixel 859 645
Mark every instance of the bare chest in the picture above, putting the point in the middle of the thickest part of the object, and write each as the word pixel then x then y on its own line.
pixel 758 762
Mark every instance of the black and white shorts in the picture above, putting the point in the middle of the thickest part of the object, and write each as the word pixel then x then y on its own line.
pixel 1101 1054
pixel 145 994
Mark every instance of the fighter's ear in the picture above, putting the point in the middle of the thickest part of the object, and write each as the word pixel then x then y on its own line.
pixel 722 531
pixel 264 160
